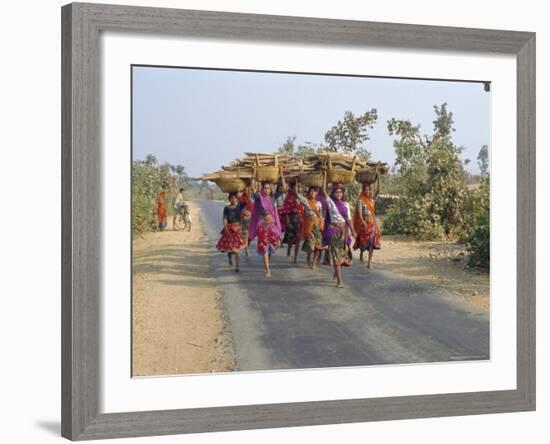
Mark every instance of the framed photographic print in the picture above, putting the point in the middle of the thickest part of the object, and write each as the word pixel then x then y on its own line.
pixel 278 221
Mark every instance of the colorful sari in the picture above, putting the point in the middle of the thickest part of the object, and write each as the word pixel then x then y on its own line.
pixel 247 200
pixel 231 240
pixel 368 234
pixel 161 210
pixel 268 240
pixel 338 248
pixel 343 209
pixel 292 214
pixel 312 228
pixel 334 236
pixel 265 224
pixel 245 216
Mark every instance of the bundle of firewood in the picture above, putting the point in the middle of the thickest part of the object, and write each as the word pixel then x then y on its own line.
pixel 267 167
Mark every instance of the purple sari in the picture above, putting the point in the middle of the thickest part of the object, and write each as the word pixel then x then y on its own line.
pixel 264 205
pixel 329 229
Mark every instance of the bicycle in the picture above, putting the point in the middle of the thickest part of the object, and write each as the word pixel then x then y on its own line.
pixel 183 218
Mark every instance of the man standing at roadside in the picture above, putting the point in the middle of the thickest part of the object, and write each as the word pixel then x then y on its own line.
pixel 178 203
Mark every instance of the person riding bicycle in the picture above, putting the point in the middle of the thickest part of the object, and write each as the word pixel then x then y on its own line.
pixel 179 206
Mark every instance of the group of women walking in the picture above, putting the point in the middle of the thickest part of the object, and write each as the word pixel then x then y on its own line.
pixel 320 222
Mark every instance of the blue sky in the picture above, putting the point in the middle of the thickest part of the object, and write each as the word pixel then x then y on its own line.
pixel 204 118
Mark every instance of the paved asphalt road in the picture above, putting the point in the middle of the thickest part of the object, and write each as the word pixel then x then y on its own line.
pixel 298 319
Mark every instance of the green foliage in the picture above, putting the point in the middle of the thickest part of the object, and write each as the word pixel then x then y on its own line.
pixel 429 179
pixel 483 160
pixel 389 184
pixel 148 179
pixel 479 243
pixel 288 146
pixel 348 135
pixel 415 218
pixel 307 148
pixel 353 190
pixel 478 237
pixel 182 178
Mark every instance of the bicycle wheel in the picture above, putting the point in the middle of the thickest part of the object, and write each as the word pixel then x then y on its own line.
pixel 180 222
pixel 188 223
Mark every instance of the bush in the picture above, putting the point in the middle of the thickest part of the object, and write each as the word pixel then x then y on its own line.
pixel 148 178
pixel 429 179
pixel 478 237
pixel 414 218
pixel 479 242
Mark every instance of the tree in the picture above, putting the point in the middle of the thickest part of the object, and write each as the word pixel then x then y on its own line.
pixel 483 160
pixel 430 179
pixel 348 135
pixel 288 146
pixel 150 159
pixel 307 148
pixel 304 149
pixel 148 178
pixel 478 239
pixel 179 171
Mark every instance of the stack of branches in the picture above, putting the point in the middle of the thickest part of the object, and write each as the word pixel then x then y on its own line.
pixel 292 165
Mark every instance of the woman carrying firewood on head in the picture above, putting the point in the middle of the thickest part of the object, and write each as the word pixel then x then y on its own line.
pixel 265 223
pixel 338 230
pixel 248 205
pixel 312 227
pixel 231 241
pixel 292 213
pixel 365 222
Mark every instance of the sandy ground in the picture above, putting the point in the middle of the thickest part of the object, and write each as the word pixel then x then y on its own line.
pixel 177 321
pixel 442 264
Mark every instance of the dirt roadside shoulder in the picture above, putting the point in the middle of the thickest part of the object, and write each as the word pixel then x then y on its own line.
pixel 177 323
pixel 442 264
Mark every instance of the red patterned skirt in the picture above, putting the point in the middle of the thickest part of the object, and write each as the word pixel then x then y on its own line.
pixel 267 239
pixel 231 240
pixel 368 237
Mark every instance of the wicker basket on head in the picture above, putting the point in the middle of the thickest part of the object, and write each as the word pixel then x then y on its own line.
pixel 367 175
pixel 340 175
pixel 370 174
pixel 313 179
pixel 230 184
pixel 267 173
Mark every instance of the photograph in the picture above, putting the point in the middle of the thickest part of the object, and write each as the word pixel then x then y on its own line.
pixel 285 220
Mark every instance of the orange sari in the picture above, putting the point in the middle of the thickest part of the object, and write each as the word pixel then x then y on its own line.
pixel 368 235
pixel 309 223
pixel 312 229
pixel 161 210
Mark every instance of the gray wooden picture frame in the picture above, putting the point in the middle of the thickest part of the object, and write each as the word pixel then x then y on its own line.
pixel 81 174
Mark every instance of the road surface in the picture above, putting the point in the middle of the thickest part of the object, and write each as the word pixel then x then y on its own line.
pixel 298 319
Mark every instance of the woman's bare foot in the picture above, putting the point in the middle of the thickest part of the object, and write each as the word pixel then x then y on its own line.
pixel 340 285
pixel 268 274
